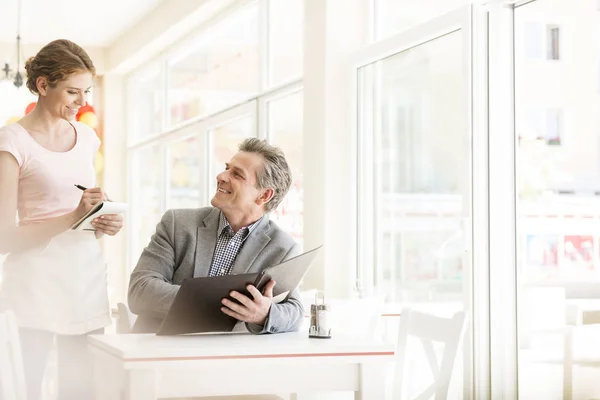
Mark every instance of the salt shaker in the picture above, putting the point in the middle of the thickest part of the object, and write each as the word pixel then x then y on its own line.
pixel 319 318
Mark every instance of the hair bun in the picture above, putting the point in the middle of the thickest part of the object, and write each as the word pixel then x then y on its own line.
pixel 29 62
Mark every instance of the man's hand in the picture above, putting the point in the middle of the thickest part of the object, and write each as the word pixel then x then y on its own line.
pixel 253 311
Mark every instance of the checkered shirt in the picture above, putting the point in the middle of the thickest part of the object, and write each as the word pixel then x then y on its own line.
pixel 228 246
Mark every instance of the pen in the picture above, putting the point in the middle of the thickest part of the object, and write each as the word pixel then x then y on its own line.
pixel 84 188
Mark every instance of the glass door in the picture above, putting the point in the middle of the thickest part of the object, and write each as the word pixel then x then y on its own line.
pixel 415 179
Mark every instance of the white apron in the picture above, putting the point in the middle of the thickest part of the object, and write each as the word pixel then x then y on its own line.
pixel 61 287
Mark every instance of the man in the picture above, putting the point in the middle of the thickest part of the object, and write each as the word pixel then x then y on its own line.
pixel 233 237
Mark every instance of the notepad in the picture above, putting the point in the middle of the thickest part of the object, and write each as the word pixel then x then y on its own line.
pixel 104 207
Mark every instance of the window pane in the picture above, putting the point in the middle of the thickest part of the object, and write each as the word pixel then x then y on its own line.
pixel 285 131
pixel 217 69
pixel 225 140
pixel 146 97
pixel 285 40
pixel 558 209
pixel 415 184
pixel 185 171
pixel 552 42
pixel 147 196
pixel 533 39
pixel 395 16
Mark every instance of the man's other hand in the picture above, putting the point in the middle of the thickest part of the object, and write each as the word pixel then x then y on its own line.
pixel 251 310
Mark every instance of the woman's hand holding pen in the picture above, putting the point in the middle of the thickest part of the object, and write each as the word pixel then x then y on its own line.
pixel 109 224
pixel 89 198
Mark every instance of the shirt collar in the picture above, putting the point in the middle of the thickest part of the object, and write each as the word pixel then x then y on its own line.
pixel 223 223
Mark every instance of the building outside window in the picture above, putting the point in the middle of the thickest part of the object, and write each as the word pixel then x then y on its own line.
pixel 552 42
pixel 557 174
pixel 540 41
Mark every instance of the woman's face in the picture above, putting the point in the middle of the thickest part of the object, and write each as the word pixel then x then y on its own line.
pixel 64 100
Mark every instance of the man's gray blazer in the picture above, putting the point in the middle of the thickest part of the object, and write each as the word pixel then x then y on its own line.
pixel 183 247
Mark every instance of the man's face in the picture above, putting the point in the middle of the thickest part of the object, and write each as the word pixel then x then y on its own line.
pixel 236 186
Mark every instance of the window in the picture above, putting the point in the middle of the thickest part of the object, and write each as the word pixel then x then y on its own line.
pixel 285 131
pixel 540 41
pixel 147 172
pixel 558 247
pixel 285 40
pixel 224 144
pixel 552 42
pixel 395 16
pixel 146 102
pixel 217 69
pixel 196 103
pixel 184 173
pixel 553 126
pixel 415 179
pixel 541 124
pixel 415 173
pixel 533 36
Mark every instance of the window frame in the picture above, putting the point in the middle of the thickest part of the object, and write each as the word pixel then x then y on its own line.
pixel 476 226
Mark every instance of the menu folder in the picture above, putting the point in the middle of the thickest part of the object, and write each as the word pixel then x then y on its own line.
pixel 197 305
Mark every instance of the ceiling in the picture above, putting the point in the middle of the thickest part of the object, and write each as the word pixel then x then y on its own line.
pixel 87 22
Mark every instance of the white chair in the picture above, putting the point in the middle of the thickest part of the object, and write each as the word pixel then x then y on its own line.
pixel 12 375
pixel 545 313
pixel 429 329
pixel 576 320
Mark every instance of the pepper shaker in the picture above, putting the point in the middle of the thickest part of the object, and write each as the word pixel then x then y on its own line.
pixel 319 318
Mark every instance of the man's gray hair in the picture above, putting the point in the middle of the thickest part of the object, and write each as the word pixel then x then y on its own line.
pixel 275 173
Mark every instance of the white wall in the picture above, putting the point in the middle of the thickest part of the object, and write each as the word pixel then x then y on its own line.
pixel 112 108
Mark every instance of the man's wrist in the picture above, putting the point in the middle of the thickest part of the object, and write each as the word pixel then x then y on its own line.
pixel 263 322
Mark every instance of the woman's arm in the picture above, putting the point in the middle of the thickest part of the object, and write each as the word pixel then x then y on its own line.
pixel 13 238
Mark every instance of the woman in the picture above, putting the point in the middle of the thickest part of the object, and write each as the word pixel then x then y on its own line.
pixel 54 278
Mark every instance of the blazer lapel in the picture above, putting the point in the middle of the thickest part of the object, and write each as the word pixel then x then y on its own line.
pixel 206 240
pixel 253 246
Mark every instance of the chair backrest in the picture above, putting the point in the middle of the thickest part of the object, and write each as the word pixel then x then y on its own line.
pixel 12 374
pixel 429 329
pixel 125 320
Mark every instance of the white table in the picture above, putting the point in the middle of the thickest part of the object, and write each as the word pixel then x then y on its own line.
pixel 144 367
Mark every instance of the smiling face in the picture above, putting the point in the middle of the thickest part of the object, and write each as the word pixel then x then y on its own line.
pixel 64 100
pixel 237 193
